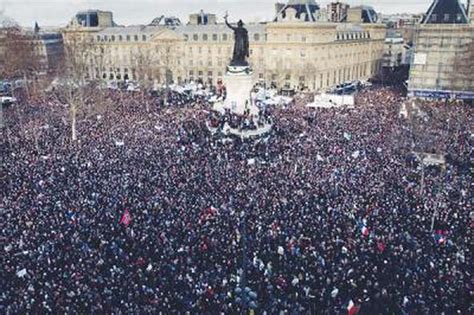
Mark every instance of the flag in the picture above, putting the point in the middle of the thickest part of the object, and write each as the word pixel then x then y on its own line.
pixel 352 309
pixel 362 225
pixel 365 231
pixel 72 217
pixel 381 246
pixel 21 273
pixel 126 218
pixel 440 237
pixel 208 214
pixel 356 154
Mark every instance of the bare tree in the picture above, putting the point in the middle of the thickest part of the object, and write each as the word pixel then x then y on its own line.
pixel 165 66
pixel 72 87
pixel 142 62
pixel 21 58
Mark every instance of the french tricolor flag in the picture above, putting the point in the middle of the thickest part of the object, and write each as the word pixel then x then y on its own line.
pixel 440 237
pixel 71 215
pixel 352 309
pixel 365 231
pixel 362 225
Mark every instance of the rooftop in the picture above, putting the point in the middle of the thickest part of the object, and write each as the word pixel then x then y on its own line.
pixel 446 12
pixel 180 29
pixel 218 28
pixel 305 9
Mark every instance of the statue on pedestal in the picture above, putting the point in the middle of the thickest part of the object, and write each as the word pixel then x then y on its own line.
pixel 241 44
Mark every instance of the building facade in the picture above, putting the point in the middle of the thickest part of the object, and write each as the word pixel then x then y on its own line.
pixel 393 56
pixel 444 54
pixel 41 50
pixel 397 51
pixel 49 48
pixel 293 51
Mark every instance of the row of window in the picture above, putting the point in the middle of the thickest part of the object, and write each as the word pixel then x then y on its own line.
pixel 338 75
pixel 215 37
pixel 352 36
pixel 201 73
pixel 446 18
pixel 224 37
pixel 325 79
pixel 121 38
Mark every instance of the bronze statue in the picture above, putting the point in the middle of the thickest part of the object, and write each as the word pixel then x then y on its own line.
pixel 241 44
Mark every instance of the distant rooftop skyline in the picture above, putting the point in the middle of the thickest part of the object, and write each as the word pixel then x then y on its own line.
pixel 126 12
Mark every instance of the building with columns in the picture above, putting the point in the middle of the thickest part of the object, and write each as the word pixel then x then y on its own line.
pixel 293 51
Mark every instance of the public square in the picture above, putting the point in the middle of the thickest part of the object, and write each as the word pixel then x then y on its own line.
pixel 322 224
pixel 316 162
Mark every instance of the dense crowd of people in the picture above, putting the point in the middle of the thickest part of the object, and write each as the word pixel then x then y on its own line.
pixel 148 212
pixel 242 122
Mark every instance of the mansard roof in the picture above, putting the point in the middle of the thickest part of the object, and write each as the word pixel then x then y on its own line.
pixel 446 12
pixel 306 8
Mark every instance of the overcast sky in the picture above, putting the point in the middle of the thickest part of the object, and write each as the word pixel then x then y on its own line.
pixel 59 12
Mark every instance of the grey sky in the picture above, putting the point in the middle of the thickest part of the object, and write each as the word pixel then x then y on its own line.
pixel 59 12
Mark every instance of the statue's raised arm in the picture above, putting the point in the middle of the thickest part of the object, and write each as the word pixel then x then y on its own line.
pixel 228 24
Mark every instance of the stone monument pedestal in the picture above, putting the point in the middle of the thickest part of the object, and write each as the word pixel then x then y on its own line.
pixel 239 83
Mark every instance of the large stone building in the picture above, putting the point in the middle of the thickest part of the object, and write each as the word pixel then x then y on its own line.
pixel 444 53
pixel 293 51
